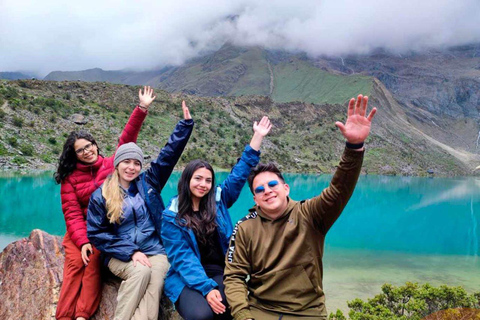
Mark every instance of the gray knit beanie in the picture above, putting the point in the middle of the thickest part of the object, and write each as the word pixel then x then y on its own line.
pixel 128 151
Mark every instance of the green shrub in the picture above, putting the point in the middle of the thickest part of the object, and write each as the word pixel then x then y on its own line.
pixel 9 92
pixel 27 150
pixel 17 121
pixel 411 301
pixel 12 141
pixel 52 140
pixel 19 160
pixel 3 150
pixel 2 114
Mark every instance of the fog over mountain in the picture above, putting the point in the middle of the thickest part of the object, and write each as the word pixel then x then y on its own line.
pixel 42 36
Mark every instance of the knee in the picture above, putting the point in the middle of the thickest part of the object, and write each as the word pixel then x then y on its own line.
pixel 142 272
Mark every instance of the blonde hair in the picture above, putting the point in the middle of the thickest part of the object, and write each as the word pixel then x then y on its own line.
pixel 113 195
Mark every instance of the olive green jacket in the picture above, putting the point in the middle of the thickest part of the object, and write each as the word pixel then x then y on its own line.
pixel 282 258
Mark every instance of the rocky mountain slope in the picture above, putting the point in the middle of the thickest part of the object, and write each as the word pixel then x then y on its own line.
pixel 438 90
pixel 37 116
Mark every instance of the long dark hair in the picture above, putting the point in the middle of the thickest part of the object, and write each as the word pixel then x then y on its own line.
pixel 68 159
pixel 202 223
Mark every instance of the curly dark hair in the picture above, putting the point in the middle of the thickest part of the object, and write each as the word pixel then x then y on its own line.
pixel 68 159
pixel 263 167
pixel 202 223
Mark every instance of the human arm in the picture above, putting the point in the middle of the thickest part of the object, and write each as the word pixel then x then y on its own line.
pixel 237 268
pixel 73 214
pixel 161 168
pixel 102 233
pixel 182 257
pixel 233 184
pixel 325 209
pixel 134 124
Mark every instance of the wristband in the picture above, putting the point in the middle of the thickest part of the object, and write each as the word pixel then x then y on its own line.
pixel 354 145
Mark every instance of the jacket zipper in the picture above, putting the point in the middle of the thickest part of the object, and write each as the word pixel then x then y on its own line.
pixel 94 176
pixel 134 220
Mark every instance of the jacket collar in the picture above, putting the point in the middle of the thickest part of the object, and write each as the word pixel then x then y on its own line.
pixel 291 204
pixel 90 167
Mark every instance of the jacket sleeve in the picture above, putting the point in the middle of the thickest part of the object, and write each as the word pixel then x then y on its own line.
pixel 237 267
pixel 133 126
pixel 102 234
pixel 325 209
pixel 184 261
pixel 161 168
pixel 233 184
pixel 73 213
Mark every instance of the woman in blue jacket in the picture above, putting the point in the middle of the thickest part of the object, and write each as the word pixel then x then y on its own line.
pixel 196 228
pixel 124 221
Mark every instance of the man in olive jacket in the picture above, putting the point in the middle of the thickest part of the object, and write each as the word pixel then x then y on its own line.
pixel 278 246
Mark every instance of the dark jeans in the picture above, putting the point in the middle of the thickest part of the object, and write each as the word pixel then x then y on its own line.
pixel 191 305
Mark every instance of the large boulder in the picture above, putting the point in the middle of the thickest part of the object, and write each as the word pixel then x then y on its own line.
pixel 31 273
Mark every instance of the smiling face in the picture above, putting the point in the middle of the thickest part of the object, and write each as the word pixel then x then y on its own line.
pixel 128 170
pixel 271 197
pixel 200 183
pixel 86 151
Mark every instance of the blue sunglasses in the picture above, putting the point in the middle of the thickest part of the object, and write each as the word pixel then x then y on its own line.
pixel 261 189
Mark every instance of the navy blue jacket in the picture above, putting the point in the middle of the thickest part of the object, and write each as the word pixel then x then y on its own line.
pixel 104 235
pixel 180 242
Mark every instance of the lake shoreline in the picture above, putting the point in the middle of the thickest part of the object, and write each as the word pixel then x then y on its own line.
pixel 34 172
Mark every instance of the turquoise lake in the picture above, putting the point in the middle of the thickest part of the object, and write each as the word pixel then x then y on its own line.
pixel 394 229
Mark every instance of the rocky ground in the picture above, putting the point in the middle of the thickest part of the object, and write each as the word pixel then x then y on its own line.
pixel 31 273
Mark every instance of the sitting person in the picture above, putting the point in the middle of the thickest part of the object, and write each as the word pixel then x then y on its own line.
pixel 81 169
pixel 196 228
pixel 278 247
pixel 124 221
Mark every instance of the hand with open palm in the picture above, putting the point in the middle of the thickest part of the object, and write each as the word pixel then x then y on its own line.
pixel 146 97
pixel 357 127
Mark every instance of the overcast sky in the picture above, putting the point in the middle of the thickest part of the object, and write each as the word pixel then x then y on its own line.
pixel 49 35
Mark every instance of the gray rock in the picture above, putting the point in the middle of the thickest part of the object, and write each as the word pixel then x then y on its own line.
pixel 31 273
pixel 78 119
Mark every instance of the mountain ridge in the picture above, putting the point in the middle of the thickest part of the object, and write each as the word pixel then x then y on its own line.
pixel 37 116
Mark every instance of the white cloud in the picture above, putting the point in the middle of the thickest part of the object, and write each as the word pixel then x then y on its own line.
pixel 56 35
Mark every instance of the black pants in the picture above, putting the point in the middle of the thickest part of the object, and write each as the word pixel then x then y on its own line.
pixel 191 305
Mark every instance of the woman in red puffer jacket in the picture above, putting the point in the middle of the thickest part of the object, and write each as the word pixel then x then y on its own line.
pixel 81 170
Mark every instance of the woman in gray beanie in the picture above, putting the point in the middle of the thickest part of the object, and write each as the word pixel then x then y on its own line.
pixel 124 220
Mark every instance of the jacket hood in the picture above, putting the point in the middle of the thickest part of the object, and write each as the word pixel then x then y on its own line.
pixel 171 210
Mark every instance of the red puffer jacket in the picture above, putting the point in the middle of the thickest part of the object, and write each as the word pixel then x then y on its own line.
pixel 77 188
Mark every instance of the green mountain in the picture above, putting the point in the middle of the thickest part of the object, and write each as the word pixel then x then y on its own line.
pixel 38 115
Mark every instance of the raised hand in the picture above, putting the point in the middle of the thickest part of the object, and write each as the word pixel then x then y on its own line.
pixel 146 97
pixel 357 127
pixel 141 258
pixel 186 112
pixel 214 299
pixel 262 128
